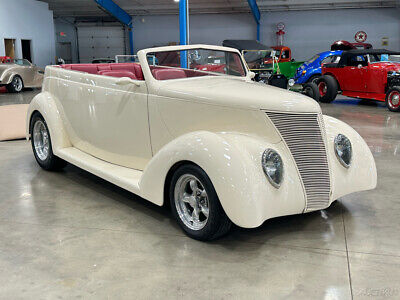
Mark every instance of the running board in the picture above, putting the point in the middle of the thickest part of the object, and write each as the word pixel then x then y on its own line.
pixel 125 178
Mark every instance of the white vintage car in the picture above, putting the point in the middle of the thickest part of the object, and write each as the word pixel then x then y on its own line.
pixel 204 137
pixel 16 74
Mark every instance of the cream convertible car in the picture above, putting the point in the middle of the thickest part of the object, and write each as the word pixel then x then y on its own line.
pixel 200 135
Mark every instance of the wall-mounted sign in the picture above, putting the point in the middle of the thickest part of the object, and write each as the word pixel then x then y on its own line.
pixel 385 41
pixel 361 36
pixel 280 26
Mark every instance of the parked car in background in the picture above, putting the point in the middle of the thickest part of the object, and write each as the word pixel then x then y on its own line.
pixel 345 45
pixel 4 59
pixel 219 147
pixel 19 73
pixel 310 71
pixel 366 74
pixel 258 57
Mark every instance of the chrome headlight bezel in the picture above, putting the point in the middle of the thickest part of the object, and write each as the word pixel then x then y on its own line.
pixel 343 141
pixel 271 156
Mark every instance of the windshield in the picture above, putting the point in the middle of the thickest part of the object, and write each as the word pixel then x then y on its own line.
pixel 199 62
pixel 374 58
pixel 257 59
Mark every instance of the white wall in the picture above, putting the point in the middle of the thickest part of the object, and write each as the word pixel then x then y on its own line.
pixel 206 28
pixel 311 32
pixel 32 20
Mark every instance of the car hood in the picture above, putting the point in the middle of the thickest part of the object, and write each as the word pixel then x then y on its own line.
pixel 228 91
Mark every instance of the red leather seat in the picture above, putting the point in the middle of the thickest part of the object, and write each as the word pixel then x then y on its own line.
pixel 131 67
pixel 102 67
pixel 166 74
pixel 117 73
pixel 88 68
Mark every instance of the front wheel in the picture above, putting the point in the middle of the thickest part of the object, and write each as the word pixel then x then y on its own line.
pixel 16 85
pixel 393 99
pixel 195 204
pixel 311 90
pixel 328 88
pixel 41 144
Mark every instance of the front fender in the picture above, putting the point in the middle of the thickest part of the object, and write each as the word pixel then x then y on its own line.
pixel 361 175
pixel 7 77
pixel 233 163
pixel 45 104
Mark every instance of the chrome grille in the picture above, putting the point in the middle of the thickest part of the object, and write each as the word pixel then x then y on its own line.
pixel 304 137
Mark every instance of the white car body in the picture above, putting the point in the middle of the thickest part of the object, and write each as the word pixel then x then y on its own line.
pixel 132 133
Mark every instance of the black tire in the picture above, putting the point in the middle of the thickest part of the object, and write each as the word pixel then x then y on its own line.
pixel 217 223
pixel 327 88
pixel 393 104
pixel 16 85
pixel 50 162
pixel 314 78
pixel 311 90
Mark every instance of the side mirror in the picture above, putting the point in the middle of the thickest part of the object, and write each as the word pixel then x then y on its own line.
pixel 252 74
pixel 126 81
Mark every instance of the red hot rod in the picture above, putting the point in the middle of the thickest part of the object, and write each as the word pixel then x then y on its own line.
pixel 367 74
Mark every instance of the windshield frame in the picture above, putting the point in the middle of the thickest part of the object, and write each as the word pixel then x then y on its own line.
pixel 142 55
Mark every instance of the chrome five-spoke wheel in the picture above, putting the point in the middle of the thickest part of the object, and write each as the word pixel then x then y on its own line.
pixel 191 201
pixel 195 204
pixel 40 138
pixel 41 144
pixel 17 83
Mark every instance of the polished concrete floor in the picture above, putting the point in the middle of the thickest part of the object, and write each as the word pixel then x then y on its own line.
pixel 72 235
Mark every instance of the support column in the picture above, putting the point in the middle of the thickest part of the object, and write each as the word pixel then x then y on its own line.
pixel 183 29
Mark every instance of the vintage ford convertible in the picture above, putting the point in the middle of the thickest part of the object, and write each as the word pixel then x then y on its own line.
pixel 215 145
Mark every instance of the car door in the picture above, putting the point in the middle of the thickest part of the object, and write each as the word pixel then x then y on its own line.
pixel 37 74
pixel 114 125
pixel 355 73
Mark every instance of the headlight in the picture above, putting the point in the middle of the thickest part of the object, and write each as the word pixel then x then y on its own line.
pixel 343 150
pixel 273 167
pixel 291 82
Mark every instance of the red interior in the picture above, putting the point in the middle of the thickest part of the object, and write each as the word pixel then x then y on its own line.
pixel 165 74
pixel 133 70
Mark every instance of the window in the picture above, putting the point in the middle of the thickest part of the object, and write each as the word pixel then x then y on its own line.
pixel 333 59
pixel 286 54
pixel 356 60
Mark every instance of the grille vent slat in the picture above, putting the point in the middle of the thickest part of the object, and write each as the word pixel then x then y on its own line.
pixel 303 136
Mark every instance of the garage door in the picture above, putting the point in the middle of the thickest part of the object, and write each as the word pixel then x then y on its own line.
pixel 100 42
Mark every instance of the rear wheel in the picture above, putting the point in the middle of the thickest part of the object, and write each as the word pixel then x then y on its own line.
pixel 328 88
pixel 393 99
pixel 16 85
pixel 195 204
pixel 41 144
pixel 311 90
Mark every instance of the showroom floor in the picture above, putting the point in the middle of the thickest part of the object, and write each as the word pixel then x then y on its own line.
pixel 71 234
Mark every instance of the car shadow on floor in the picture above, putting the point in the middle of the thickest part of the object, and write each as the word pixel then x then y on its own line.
pixel 316 229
